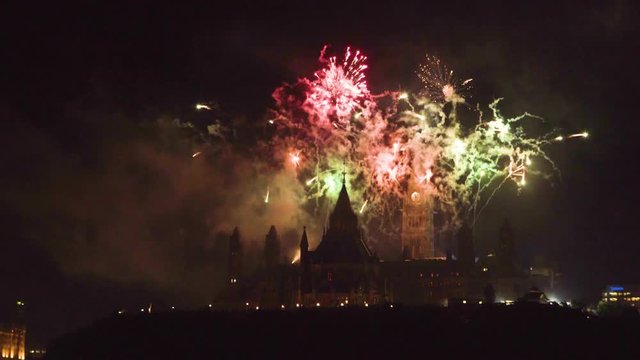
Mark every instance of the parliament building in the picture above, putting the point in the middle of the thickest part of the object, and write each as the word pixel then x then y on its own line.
pixel 343 271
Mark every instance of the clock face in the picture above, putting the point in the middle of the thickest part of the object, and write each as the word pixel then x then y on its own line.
pixel 415 196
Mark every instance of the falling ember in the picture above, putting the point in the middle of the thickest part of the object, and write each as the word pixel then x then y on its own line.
pixel 363 206
pixel 196 154
pixel 582 135
pixel 296 257
pixel 310 181
pixel 202 107
pixel 266 198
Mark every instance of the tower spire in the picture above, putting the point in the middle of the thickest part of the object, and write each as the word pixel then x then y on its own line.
pixel 344 172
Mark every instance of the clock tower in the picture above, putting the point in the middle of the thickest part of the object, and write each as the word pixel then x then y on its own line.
pixel 417 223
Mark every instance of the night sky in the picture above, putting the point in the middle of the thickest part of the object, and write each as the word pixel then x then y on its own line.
pixel 92 191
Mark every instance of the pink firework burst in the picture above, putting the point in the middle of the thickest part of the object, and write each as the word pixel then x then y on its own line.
pixel 339 89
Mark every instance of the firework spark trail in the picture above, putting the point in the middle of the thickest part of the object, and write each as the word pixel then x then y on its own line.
pixel 363 206
pixel 202 107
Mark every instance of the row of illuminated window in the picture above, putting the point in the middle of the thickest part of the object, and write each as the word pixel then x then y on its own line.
pixel 627 299
pixel 445 284
pixel 438 275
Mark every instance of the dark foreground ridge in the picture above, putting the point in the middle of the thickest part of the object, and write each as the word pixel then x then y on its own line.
pixel 521 331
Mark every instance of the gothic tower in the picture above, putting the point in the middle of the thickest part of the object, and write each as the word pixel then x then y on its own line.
pixel 343 241
pixel 272 248
pixel 506 248
pixel 305 264
pixel 235 258
pixel 417 224
pixel 464 240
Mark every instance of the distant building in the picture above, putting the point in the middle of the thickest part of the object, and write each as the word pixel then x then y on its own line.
pixel 534 295
pixel 13 337
pixel 622 295
pixel 35 354
pixel 506 250
pixel 544 276
pixel 419 282
pixel 342 270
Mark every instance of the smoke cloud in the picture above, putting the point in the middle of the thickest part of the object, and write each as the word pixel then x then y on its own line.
pixel 136 207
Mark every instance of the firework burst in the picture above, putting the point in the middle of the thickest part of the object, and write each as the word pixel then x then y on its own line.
pixel 392 145
pixel 339 89
pixel 439 82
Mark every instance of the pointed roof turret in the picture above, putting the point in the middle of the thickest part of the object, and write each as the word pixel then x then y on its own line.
pixel 304 242
pixel 342 240
pixel 272 247
pixel 234 240
pixel 343 212
pixel 272 231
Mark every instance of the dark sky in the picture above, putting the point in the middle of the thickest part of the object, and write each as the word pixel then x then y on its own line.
pixel 78 81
